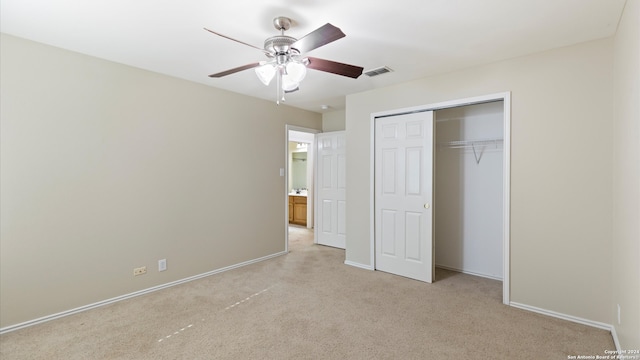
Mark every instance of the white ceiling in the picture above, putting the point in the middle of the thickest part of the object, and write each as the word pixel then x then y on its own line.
pixel 416 38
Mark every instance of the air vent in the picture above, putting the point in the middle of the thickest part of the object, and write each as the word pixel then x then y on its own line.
pixel 378 71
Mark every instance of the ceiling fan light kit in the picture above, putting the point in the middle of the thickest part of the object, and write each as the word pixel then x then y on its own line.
pixel 286 62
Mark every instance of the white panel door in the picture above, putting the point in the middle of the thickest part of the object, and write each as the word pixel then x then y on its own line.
pixel 331 181
pixel 404 195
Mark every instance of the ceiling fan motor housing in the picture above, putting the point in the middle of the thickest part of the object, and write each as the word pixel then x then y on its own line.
pixel 279 45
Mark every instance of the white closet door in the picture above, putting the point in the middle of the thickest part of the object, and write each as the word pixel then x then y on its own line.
pixel 404 195
pixel 331 216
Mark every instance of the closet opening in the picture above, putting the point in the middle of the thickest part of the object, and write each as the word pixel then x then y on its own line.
pixel 465 192
pixel 469 189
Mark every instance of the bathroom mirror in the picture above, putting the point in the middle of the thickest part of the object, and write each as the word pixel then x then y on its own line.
pixel 299 170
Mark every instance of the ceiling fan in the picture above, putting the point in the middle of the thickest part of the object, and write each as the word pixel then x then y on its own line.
pixel 286 60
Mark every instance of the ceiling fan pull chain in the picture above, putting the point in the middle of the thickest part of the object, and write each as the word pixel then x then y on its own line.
pixel 279 86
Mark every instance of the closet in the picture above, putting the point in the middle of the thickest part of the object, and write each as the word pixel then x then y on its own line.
pixel 469 189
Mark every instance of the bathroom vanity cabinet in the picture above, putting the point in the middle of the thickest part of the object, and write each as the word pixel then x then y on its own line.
pixel 298 209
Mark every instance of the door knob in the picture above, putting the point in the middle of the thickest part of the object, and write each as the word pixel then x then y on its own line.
pixel 426 206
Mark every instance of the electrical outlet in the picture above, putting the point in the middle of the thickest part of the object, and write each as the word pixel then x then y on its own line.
pixel 139 271
pixel 618 314
pixel 162 265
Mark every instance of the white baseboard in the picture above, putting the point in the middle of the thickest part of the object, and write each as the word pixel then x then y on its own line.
pixel 358 265
pixel 562 316
pixel 132 295
pixel 571 318
pixel 614 334
pixel 468 272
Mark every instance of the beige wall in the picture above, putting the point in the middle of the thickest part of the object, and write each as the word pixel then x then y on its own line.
pixel 561 158
pixel 333 121
pixel 105 168
pixel 626 178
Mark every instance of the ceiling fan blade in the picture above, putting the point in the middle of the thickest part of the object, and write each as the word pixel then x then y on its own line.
pixel 238 41
pixel 319 37
pixel 333 67
pixel 234 70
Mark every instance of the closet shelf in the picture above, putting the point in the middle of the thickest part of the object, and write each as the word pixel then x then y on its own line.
pixel 478 146
pixel 470 144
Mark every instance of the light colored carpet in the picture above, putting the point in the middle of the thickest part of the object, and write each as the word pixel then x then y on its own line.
pixel 309 305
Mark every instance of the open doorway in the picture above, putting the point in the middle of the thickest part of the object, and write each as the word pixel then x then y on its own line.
pixel 299 188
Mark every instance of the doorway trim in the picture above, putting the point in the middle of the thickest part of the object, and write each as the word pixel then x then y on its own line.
pixel 505 97
pixel 286 178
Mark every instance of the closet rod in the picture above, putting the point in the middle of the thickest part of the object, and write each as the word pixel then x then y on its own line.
pixel 478 146
pixel 467 144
